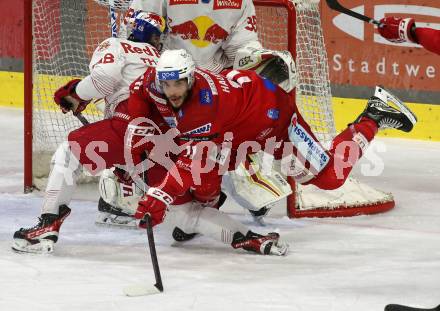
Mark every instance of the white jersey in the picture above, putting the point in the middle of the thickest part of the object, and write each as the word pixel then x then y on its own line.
pixel 211 30
pixel 115 64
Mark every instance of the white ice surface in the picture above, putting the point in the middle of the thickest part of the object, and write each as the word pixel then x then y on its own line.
pixel 360 263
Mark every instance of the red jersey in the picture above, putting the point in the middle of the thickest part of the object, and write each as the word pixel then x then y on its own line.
pixel 229 109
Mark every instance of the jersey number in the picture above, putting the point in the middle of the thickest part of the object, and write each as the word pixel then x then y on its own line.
pixel 252 23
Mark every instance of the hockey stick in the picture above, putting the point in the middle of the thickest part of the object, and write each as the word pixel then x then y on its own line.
pixel 394 307
pixel 335 5
pixel 82 119
pixel 142 289
pixel 113 25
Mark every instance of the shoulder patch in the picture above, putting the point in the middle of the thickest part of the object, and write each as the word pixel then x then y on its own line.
pixel 205 97
pixel 273 113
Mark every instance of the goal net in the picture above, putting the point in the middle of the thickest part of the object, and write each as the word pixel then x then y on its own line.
pixel 65 34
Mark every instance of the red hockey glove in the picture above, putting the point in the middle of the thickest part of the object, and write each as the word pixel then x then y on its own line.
pixel 398 29
pixel 67 99
pixel 155 203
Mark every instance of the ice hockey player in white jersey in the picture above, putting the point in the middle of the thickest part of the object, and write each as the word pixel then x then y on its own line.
pixel 221 34
pixel 211 31
pixel 115 64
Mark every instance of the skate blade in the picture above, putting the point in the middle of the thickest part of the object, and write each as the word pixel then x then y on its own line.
pixel 122 224
pixel 23 246
pixel 281 249
pixel 140 290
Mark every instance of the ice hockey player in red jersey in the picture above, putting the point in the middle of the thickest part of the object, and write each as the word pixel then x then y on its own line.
pixel 405 30
pixel 220 35
pixel 115 64
pixel 218 120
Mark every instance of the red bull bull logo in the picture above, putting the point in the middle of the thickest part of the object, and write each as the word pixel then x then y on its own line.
pixel 202 31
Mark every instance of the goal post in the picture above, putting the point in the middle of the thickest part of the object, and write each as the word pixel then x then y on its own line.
pixel 61 36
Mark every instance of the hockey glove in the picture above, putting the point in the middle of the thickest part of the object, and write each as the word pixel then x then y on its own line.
pixel 67 99
pixel 398 29
pixel 155 202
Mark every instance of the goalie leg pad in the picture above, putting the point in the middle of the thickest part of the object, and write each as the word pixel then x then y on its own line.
pixel 118 201
pixel 257 187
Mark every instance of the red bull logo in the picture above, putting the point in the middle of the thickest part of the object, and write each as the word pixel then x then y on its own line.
pixel 202 31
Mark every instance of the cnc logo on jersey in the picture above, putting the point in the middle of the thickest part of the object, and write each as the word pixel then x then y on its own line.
pixel 168 75
pixel 356 28
pixel 273 113
pixel 177 2
pixel 103 46
pixel 307 145
pixel 227 4
pixel 206 128
pixel 201 31
pixel 205 97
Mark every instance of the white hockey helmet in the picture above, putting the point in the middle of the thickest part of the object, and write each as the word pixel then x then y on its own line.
pixel 175 65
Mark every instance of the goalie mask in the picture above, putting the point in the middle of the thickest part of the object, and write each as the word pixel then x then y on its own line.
pixel 277 66
pixel 146 27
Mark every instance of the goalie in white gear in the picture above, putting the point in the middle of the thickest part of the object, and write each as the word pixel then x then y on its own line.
pixel 220 35
pixel 115 64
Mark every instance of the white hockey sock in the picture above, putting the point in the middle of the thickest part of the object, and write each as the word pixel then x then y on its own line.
pixel 193 218
pixel 62 179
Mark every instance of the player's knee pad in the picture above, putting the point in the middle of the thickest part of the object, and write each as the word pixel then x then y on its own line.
pixel 277 66
pixel 118 194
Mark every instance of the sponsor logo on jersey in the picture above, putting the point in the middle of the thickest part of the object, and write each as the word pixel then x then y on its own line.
pixel 273 113
pixel 307 146
pixel 227 4
pixel 131 49
pixel 168 75
pixel 177 2
pixel 202 31
pixel 205 97
pixel 206 128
